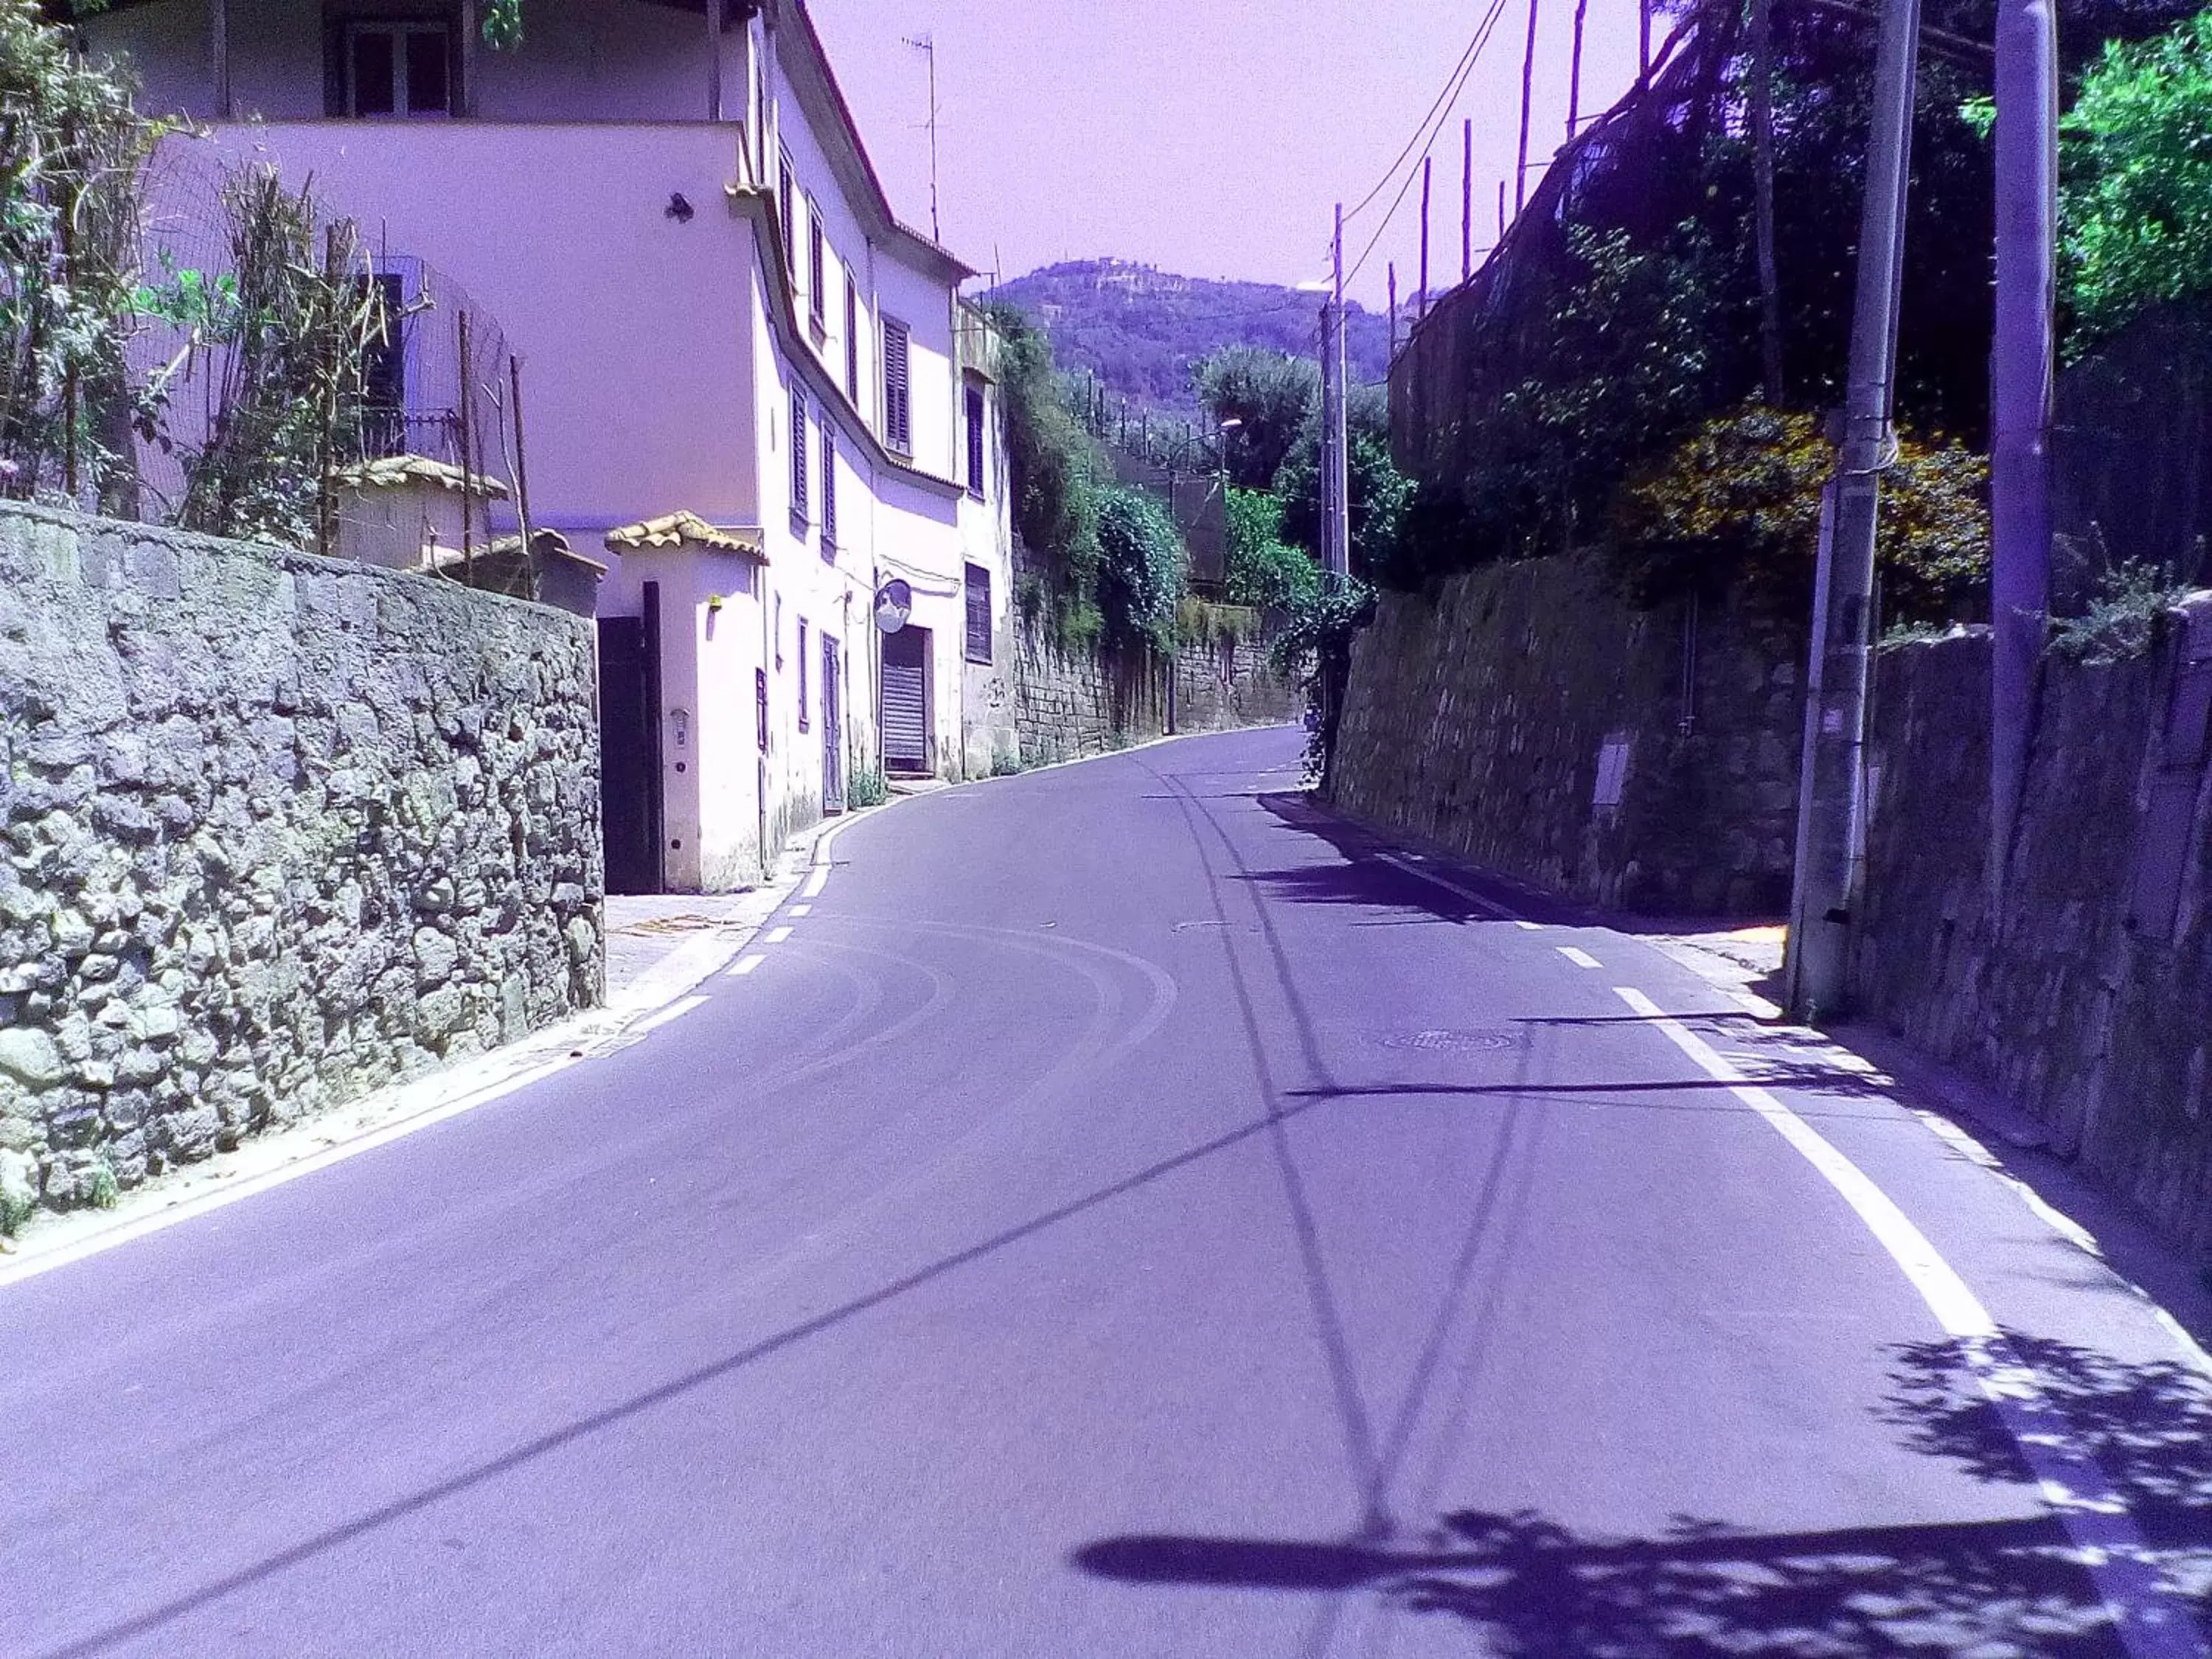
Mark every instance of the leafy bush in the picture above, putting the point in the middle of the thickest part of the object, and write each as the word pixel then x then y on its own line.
pixel 1141 564
pixel 2121 620
pixel 866 788
pixel 1054 462
pixel 72 155
pixel 1379 491
pixel 1737 506
pixel 1264 570
pixel 2137 172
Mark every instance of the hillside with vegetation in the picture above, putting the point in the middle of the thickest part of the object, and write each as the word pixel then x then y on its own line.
pixel 1139 330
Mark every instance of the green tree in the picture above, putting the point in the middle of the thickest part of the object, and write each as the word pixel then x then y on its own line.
pixel 2137 169
pixel 1380 492
pixel 1271 395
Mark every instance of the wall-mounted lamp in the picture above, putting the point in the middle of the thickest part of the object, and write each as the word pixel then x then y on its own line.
pixel 713 602
pixel 679 208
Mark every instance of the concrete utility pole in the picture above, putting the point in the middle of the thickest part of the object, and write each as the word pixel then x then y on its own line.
pixel 2021 362
pixel 1831 809
pixel 1339 545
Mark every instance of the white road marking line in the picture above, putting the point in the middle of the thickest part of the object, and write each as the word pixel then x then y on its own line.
pixel 1580 958
pixel 2152 1620
pixel 674 1011
pixel 815 881
pixel 1533 926
pixel 798 910
pixel 1489 906
pixel 776 936
pixel 745 965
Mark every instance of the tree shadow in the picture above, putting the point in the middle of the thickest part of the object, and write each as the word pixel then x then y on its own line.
pixel 1531 1587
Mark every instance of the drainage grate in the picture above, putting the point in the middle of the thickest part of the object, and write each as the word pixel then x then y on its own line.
pixel 1453 1043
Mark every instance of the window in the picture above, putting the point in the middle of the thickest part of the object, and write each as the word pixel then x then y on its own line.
pixel 384 365
pixel 851 339
pixel 829 485
pixel 779 630
pixel 393 69
pixel 974 406
pixel 760 705
pixel 799 427
pixel 786 201
pixel 978 614
pixel 802 673
pixel 898 410
pixel 817 283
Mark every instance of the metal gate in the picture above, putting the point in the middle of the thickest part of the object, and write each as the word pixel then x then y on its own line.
pixel 833 735
pixel 905 711
pixel 630 747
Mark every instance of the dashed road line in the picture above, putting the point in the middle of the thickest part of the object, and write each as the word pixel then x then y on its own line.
pixel 2151 1619
pixel 1580 958
pixel 745 965
pixel 799 910
pixel 1412 867
pixel 776 936
pixel 815 881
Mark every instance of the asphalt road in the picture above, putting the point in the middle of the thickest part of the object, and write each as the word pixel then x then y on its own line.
pixel 1126 1215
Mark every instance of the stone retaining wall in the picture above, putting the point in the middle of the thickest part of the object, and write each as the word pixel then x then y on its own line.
pixel 279 829
pixel 1527 718
pixel 2087 996
pixel 1070 704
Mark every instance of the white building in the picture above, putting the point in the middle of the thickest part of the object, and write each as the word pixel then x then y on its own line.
pixel 747 381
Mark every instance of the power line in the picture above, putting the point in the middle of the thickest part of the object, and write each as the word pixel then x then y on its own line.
pixel 1452 83
pixel 1437 114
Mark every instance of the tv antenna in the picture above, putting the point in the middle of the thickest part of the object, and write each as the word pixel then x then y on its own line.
pixel 925 44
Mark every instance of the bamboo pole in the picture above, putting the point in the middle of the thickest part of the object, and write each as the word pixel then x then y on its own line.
pixel 468 477
pixel 521 475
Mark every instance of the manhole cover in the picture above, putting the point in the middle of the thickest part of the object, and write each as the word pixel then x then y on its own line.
pixel 1454 1043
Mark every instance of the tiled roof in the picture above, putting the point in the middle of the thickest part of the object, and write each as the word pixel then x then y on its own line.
pixel 389 471
pixel 686 529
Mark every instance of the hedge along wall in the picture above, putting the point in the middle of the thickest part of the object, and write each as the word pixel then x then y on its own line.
pixel 2087 996
pixel 279 829
pixel 1529 718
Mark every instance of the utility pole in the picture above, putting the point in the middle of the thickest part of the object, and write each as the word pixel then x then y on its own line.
pixel 1528 83
pixel 1643 41
pixel 2021 359
pixel 1393 268
pixel 1831 807
pixel 1335 493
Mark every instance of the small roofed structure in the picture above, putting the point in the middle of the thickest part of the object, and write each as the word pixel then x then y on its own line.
pixel 405 512
pixel 682 529
pixel 553 573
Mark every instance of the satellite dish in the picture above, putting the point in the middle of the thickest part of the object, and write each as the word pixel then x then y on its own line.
pixel 893 604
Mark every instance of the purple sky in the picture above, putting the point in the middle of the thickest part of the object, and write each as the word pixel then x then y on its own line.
pixel 1205 137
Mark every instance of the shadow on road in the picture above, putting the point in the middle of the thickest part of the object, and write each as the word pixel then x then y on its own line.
pixel 1534 1589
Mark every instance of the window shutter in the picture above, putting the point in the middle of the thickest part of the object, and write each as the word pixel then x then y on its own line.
pixel 799 427
pixel 817 292
pixel 898 429
pixel 829 485
pixel 802 673
pixel 975 407
pixel 852 338
pixel 979 613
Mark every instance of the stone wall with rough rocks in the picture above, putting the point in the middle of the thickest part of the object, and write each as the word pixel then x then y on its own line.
pixel 278 829
pixel 2086 994
pixel 1070 704
pixel 1527 718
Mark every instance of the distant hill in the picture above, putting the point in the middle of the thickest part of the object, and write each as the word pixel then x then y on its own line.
pixel 1139 330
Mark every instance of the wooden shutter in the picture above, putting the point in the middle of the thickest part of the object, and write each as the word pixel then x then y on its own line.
pixel 978 614
pixel 905 701
pixel 829 485
pixel 800 426
pixel 974 406
pixel 898 414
